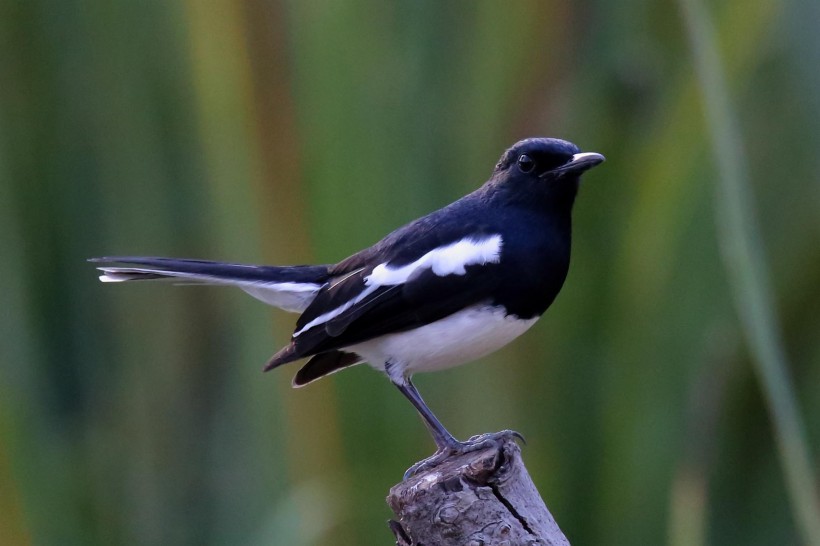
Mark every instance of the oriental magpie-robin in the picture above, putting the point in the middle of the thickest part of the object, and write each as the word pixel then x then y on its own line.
pixel 443 290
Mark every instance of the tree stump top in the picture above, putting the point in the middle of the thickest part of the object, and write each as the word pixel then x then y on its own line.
pixel 483 498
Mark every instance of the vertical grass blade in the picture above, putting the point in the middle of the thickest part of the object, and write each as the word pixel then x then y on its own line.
pixel 747 272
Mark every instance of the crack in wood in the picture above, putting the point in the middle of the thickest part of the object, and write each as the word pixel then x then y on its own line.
pixel 482 498
pixel 509 506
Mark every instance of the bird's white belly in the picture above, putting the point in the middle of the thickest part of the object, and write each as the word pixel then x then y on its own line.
pixel 459 338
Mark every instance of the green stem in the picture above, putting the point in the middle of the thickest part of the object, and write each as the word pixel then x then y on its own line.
pixel 746 267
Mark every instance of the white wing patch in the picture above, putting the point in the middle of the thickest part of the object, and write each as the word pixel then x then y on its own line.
pixel 446 260
pixel 451 259
pixel 332 314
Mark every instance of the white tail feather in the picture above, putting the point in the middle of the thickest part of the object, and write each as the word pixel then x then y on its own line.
pixel 289 296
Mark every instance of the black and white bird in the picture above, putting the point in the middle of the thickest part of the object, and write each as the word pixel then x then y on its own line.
pixel 441 291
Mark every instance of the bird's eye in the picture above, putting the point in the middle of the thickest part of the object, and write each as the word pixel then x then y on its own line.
pixel 525 163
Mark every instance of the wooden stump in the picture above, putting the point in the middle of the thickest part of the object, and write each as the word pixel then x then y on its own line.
pixel 485 498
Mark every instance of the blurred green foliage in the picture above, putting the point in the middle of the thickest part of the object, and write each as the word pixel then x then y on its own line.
pixel 258 131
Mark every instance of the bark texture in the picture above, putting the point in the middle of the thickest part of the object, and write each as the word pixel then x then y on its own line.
pixel 485 498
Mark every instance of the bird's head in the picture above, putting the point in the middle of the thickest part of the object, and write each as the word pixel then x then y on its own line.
pixel 543 167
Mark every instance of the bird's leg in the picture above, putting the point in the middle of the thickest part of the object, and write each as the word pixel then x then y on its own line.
pixel 441 436
pixel 446 444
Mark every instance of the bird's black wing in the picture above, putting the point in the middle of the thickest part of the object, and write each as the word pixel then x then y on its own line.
pixel 345 313
pixel 351 307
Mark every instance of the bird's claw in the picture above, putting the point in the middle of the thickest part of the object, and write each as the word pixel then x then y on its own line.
pixel 475 443
pixel 495 438
pixel 429 463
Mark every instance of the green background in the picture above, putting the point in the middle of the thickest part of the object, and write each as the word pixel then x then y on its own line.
pixel 296 132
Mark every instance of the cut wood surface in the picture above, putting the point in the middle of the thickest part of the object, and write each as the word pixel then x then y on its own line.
pixel 484 498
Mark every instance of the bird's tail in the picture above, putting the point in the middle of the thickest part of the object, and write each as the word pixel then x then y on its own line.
pixel 291 288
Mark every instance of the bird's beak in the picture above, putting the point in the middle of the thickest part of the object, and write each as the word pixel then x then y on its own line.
pixel 579 163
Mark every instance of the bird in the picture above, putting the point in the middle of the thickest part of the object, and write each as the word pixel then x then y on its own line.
pixel 438 292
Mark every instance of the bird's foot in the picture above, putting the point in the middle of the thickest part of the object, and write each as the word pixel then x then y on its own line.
pixel 476 443
pixel 493 439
